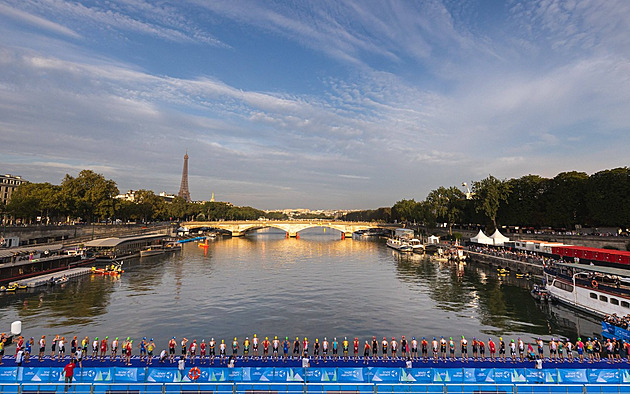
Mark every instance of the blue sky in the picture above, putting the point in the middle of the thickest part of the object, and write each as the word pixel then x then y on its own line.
pixel 316 104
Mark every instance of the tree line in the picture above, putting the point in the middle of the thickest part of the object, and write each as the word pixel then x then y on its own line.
pixel 90 197
pixel 569 199
pixel 562 202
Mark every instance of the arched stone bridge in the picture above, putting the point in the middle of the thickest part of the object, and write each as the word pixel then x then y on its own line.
pixel 291 227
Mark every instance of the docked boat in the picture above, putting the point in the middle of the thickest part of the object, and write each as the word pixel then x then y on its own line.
pixel 540 294
pixel 152 250
pixel 61 280
pixel 416 245
pixel 399 244
pixel 113 269
pixel 594 289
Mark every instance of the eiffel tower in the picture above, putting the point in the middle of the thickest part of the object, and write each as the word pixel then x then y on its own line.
pixel 183 188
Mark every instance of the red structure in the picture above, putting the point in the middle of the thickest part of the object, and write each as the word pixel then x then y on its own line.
pixel 609 257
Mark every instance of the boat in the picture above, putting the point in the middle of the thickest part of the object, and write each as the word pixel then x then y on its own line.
pixel 61 280
pixel 416 245
pixel 594 289
pixel 113 269
pixel 153 250
pixel 503 271
pixel 399 244
pixel 540 294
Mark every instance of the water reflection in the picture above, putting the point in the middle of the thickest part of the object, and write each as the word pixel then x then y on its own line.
pixel 315 286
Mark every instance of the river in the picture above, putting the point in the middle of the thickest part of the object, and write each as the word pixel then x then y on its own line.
pixel 316 286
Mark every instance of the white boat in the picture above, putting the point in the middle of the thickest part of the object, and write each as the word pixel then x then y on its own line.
pixel 152 251
pixel 399 244
pixel 416 245
pixel 597 290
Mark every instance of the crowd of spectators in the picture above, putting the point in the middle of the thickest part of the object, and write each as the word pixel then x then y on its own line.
pixel 619 321
pixel 512 254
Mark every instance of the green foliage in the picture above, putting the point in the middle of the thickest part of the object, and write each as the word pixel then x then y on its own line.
pixel 89 196
pixel 370 215
pixel 307 216
pixel 489 194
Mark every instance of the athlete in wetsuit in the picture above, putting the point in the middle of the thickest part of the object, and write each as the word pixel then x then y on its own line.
pixel 366 352
pixel 384 345
pixel 374 348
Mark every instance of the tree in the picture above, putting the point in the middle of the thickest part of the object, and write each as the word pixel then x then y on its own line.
pixel 89 195
pixel 526 204
pixel 446 204
pixel 489 193
pixel 149 206
pixel 565 199
pixel 405 210
pixel 607 197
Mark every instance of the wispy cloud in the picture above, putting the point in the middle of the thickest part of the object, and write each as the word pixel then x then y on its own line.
pixel 37 21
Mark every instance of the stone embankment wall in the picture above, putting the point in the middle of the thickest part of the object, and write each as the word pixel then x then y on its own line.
pixel 526 266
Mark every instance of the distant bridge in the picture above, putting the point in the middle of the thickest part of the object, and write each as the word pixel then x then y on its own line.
pixel 291 227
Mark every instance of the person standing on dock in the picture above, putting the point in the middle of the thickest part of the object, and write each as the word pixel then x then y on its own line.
pixel 255 347
pixel 185 348
pixel 394 349
pixel 95 348
pixel 28 346
pixel 150 349
pixel 171 349
pixel 345 345
pixel 384 345
pixel 335 348
pixel 73 345
pixel 374 349
pixel 356 349
pixel 403 347
pixel 492 348
pixel 266 349
pixel 245 349
pixel 324 349
pixel 579 346
pixel 569 347
pixel 521 349
pixel 193 350
pixel 62 348
pixel 235 348
pixel 276 348
pixel 114 349
pixel 553 350
pixel 296 348
pixel 2 340
pixel 501 349
pixel 541 348
pixel 143 348
pixel 464 349
pixel 222 349
pixel 202 351
pixel 104 346
pixel 434 347
pixel 53 355
pixel 42 348
pixel 212 353
pixel 482 350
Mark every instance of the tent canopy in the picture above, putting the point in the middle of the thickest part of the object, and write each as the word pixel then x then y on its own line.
pixel 482 238
pixel 498 238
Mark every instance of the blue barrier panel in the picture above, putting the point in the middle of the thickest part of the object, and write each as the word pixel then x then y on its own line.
pixel 129 375
pixel 416 375
pixel 217 374
pixel 288 375
pixel 625 376
pixel 534 375
pixel 162 375
pixel 92 375
pixel 386 375
pixel 258 374
pixel 8 374
pixel 572 376
pixel 350 375
pixel 550 376
pixel 604 376
pixel 321 375
pixel 503 375
pixel 448 375
pixel 34 374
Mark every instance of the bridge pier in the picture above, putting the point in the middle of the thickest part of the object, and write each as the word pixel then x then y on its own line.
pixel 236 233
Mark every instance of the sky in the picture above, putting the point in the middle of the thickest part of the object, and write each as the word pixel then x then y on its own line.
pixel 312 104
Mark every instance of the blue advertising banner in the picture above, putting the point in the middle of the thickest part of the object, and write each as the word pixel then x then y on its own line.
pixel 217 374
pixel 128 375
pixel 350 375
pixel 163 375
pixel 8 374
pixel 416 375
pixel 502 375
pixel 94 375
pixel 235 374
pixel 321 375
pixel 603 376
pixel 572 376
pixel 534 375
pixel 34 375
pixel 446 375
pixel 258 374
pixel 610 331
pixel 479 375
pixel 384 374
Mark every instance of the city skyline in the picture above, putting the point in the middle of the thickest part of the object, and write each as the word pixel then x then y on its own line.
pixel 347 105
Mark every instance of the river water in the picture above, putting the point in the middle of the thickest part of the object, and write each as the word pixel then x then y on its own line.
pixel 315 286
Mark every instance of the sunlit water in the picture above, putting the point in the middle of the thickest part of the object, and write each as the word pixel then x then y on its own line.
pixel 315 286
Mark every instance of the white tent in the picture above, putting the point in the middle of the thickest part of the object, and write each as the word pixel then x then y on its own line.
pixel 499 239
pixel 433 240
pixel 482 238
